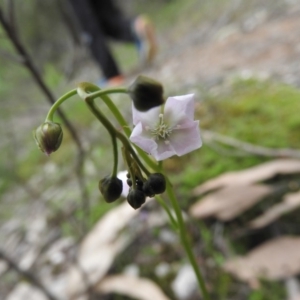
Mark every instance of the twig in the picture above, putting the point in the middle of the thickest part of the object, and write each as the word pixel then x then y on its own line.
pixel 29 64
pixel 210 136
pixel 27 275
pixel 11 16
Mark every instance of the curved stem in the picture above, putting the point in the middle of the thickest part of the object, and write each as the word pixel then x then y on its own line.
pixel 118 90
pixel 115 111
pixel 86 89
pixel 113 132
pixel 109 128
pixel 59 101
pixel 127 145
pixel 186 242
pixel 83 91
pixel 89 97
pixel 115 153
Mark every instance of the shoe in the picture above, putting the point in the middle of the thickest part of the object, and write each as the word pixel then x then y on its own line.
pixel 146 40
pixel 116 81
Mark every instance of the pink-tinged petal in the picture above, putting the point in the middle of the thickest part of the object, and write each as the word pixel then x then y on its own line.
pixel 148 118
pixel 143 139
pixel 177 125
pixel 184 122
pixel 186 139
pixel 163 151
pixel 178 106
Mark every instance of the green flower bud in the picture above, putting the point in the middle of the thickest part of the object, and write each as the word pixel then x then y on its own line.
pixel 146 93
pixel 136 198
pixel 111 188
pixel 156 184
pixel 48 137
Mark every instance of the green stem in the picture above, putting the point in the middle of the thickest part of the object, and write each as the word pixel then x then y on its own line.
pixel 89 92
pixel 109 128
pixel 166 208
pixel 185 241
pixel 127 145
pixel 119 90
pixel 87 89
pixel 83 91
pixel 58 103
pixel 115 111
pixel 113 132
pixel 115 153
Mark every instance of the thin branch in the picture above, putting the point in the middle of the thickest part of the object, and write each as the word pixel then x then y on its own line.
pixel 27 275
pixel 29 64
pixel 11 16
pixel 210 136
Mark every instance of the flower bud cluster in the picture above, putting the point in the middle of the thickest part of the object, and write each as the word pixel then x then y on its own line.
pixel 141 188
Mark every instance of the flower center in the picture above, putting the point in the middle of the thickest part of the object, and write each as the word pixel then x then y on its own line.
pixel 162 130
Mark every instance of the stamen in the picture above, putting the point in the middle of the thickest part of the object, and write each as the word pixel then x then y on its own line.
pixel 162 130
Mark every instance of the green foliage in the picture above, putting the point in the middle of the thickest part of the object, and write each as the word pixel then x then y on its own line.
pixel 259 112
pixel 268 291
pixel 52 76
pixel 264 113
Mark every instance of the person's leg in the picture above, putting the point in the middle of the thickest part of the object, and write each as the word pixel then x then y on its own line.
pixel 113 21
pixel 96 38
pixel 117 25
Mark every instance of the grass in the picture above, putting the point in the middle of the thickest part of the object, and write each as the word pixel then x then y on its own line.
pixel 260 112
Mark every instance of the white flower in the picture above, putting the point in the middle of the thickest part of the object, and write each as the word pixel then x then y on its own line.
pixel 123 176
pixel 167 133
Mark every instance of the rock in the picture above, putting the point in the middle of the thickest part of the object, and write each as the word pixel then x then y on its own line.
pixel 185 283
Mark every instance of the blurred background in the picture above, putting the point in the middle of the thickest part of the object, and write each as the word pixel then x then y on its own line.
pixel 240 191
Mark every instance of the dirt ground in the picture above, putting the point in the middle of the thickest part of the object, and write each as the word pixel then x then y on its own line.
pixel 266 44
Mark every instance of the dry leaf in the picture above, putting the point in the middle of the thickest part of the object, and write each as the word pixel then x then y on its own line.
pixel 99 249
pixel 24 291
pixel 251 175
pixel 290 203
pixel 273 260
pixel 137 288
pixel 229 202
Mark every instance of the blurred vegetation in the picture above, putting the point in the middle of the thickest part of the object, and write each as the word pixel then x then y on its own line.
pixel 263 112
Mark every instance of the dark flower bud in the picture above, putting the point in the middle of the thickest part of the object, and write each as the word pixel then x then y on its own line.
pixel 146 93
pixel 111 188
pixel 48 137
pixel 136 198
pixel 129 182
pixel 156 184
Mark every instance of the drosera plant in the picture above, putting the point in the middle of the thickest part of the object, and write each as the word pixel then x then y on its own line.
pixel 162 129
